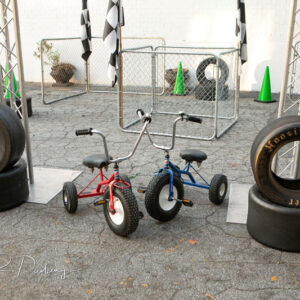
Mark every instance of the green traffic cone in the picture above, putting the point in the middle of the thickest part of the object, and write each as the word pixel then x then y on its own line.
pixel 179 88
pixel 6 83
pixel 265 95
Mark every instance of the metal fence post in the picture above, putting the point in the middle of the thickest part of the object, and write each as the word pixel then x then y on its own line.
pixel 22 91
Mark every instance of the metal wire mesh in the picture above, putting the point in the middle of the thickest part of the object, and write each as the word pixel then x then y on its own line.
pixel 9 66
pixel 208 88
pixel 54 85
pixel 92 79
pixel 98 80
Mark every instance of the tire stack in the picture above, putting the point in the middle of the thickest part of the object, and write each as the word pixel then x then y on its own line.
pixel 206 90
pixel 274 202
pixel 13 170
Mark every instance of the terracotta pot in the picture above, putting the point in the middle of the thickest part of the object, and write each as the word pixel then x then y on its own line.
pixel 62 72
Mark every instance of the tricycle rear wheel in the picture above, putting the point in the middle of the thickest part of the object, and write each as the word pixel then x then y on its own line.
pixel 218 189
pixel 70 197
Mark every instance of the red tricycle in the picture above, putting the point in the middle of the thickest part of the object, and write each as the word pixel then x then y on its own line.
pixel 119 203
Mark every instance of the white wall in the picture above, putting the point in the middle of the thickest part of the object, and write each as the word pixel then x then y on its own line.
pixel 208 23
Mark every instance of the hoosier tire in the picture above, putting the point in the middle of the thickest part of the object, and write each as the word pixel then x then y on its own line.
pixel 156 198
pixel 12 138
pixel 126 218
pixel 14 186
pixel 275 135
pixel 271 224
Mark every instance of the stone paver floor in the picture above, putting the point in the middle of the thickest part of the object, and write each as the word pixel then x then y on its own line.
pixel 45 253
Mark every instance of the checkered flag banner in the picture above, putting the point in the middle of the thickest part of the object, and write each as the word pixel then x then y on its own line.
pixel 86 31
pixel 111 36
pixel 240 30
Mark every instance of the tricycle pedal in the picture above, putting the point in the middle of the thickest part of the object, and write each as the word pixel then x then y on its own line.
pixel 188 203
pixel 100 202
pixel 142 189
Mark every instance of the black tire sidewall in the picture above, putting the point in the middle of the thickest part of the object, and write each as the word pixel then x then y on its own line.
pixel 208 92
pixel 124 228
pixel 14 186
pixel 271 224
pixel 14 133
pixel 200 71
pixel 70 190
pixel 158 183
pixel 216 183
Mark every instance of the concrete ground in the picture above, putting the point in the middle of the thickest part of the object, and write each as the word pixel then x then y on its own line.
pixel 46 253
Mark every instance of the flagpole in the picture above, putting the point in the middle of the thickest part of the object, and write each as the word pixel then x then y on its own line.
pixel 237 81
pixel 87 76
pixel 120 77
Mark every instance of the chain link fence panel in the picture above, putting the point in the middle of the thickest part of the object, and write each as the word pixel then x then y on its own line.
pixel 63 70
pixel 91 77
pixel 98 80
pixel 206 86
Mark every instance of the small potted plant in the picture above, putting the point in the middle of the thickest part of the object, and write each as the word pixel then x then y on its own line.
pixel 60 71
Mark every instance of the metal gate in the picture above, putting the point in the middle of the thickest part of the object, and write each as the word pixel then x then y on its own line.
pixel 89 76
pixel 211 89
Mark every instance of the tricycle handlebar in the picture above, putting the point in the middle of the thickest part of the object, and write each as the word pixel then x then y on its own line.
pixel 119 159
pixel 182 116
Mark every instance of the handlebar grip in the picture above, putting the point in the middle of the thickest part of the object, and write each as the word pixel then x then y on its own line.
pixel 140 113
pixel 84 131
pixel 148 118
pixel 194 119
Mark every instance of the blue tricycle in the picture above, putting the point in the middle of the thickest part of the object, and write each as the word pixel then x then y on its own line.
pixel 164 194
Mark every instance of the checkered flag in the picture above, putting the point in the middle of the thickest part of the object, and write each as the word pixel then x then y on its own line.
pixel 86 31
pixel 240 30
pixel 111 36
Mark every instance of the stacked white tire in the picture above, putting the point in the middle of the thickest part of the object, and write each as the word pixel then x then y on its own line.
pixel 274 202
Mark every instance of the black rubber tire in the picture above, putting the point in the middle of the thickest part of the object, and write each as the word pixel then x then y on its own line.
pixel 131 212
pixel 218 189
pixel 200 71
pixel 127 179
pixel 12 138
pixel 70 198
pixel 154 189
pixel 14 189
pixel 208 92
pixel 275 135
pixel 203 92
pixel 271 224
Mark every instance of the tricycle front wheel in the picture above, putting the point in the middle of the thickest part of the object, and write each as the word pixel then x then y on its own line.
pixel 125 219
pixel 157 200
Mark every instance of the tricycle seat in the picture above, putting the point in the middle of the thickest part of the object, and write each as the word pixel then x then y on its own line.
pixel 96 161
pixel 191 155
